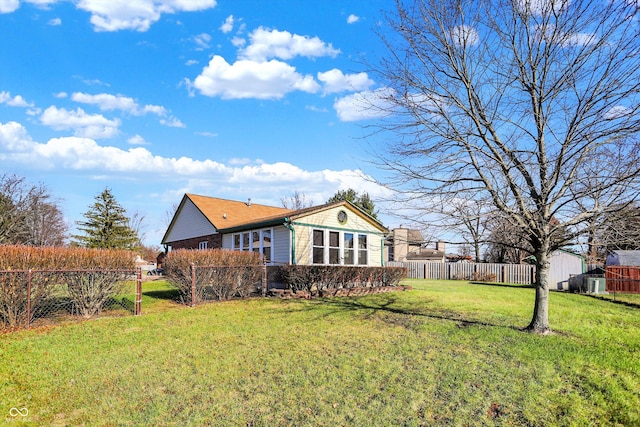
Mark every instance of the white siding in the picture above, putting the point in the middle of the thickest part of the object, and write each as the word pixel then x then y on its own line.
pixel 563 266
pixel 281 245
pixel 190 223
pixel 227 241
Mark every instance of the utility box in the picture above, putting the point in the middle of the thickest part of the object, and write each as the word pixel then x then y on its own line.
pixel 596 285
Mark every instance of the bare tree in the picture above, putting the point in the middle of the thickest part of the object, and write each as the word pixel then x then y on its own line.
pixel 514 101
pixel 29 215
pixel 296 201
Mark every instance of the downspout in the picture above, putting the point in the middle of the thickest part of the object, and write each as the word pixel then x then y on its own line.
pixel 287 224
pixel 382 251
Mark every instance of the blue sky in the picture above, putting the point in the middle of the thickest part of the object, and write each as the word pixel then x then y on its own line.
pixel 155 98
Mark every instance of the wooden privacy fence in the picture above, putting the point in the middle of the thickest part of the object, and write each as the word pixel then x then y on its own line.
pixel 523 274
pixel 623 279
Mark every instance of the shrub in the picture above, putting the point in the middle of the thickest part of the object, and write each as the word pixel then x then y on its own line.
pixel 318 278
pixel 88 291
pixel 219 274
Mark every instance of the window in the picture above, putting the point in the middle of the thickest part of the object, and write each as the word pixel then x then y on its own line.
pixel 245 241
pixel 349 249
pixel 266 245
pixel 339 248
pixel 203 245
pixel 318 247
pixel 362 249
pixel 255 245
pixel 334 247
pixel 255 241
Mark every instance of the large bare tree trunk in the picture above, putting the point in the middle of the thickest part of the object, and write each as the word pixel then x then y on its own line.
pixel 540 320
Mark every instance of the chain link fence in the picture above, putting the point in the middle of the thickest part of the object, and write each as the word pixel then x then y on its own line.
pixel 40 297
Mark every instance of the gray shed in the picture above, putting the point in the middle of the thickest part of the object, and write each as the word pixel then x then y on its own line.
pixel 564 265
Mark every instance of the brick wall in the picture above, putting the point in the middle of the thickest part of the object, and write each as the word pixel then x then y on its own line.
pixel 214 241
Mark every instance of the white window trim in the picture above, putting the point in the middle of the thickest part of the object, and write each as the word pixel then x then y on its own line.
pixel 242 247
pixel 341 248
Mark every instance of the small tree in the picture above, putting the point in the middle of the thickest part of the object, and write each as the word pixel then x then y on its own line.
pixel 363 201
pixel 296 201
pixel 106 225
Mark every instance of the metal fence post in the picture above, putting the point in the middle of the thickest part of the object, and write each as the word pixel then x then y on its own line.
pixel 193 285
pixel 138 291
pixel 264 276
pixel 29 299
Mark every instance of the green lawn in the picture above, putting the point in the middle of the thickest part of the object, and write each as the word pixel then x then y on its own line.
pixel 445 353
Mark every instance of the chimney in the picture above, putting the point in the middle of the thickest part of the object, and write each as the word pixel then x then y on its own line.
pixel 441 246
pixel 400 244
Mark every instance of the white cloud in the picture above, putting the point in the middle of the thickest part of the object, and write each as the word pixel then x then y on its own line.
pixel 191 62
pixel 8 6
pixel 202 40
pixel 139 15
pixel 363 106
pixel 60 95
pixel 82 124
pixel 85 154
pixel 15 101
pixel 137 140
pixel 352 19
pixel 227 26
pixel 539 7
pixel 207 134
pixel 464 36
pixel 265 44
pixel 172 122
pixel 251 79
pixel 335 81
pixel 238 42
pixel 108 102
pixel 617 112
pixel 55 22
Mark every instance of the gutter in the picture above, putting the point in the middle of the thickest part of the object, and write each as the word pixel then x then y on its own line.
pixel 287 224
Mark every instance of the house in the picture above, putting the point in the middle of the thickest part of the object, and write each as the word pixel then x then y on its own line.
pixel 336 233
pixel 407 245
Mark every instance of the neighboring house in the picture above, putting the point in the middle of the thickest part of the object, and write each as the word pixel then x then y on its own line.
pixel 336 233
pixel 626 258
pixel 407 245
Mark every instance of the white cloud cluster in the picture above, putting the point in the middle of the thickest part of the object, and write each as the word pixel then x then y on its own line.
pixel 8 6
pixel 83 124
pixel 265 44
pixel 227 26
pixel 249 79
pixel 13 101
pixel 109 102
pixel 363 105
pixel 115 15
pixel 139 15
pixel 352 19
pixel 262 73
pixel 85 154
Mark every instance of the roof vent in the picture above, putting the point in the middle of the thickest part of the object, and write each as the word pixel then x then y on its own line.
pixel 224 215
pixel 249 202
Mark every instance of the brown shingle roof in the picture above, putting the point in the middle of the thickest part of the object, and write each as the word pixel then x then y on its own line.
pixel 231 213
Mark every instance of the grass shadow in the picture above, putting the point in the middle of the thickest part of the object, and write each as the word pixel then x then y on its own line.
pixel 503 285
pixel 164 294
pixel 389 305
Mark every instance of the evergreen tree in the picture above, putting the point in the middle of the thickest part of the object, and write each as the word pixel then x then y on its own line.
pixel 363 201
pixel 106 225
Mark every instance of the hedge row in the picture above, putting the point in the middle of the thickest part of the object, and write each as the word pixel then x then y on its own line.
pixel 219 274
pixel 316 279
pixel 85 278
